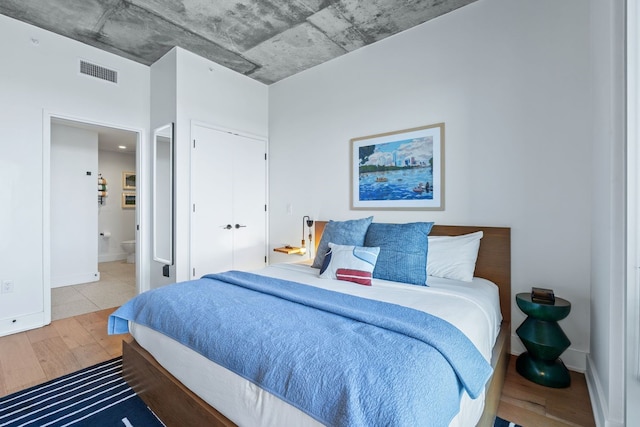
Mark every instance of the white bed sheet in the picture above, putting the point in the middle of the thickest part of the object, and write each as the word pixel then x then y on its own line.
pixel 472 307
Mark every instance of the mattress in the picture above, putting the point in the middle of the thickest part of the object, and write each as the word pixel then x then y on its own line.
pixel 472 307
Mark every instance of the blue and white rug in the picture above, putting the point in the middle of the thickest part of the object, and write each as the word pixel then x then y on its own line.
pixel 499 422
pixel 95 396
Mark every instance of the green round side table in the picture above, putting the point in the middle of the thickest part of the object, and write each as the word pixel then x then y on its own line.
pixel 544 340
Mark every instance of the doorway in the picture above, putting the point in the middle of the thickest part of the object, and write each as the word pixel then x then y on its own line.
pixel 93 217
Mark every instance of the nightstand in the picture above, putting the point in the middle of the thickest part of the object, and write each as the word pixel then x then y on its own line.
pixel 545 342
pixel 290 250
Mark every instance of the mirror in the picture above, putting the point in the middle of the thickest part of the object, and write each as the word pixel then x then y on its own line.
pixel 163 194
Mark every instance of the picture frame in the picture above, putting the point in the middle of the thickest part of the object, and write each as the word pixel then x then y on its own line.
pixel 128 200
pixel 128 180
pixel 399 170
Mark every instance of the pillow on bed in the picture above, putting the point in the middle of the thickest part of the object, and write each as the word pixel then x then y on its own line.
pixel 403 251
pixel 453 257
pixel 350 232
pixel 349 263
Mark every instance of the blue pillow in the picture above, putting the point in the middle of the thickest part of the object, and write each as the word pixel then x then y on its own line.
pixel 403 251
pixel 341 233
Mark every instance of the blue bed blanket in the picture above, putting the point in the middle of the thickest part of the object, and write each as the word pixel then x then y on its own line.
pixel 343 360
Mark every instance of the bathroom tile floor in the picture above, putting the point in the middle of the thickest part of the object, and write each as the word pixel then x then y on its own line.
pixel 117 284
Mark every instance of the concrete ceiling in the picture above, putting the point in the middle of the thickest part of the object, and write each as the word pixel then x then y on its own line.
pixel 267 40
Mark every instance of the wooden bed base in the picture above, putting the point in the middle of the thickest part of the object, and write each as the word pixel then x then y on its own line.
pixel 176 405
pixel 167 397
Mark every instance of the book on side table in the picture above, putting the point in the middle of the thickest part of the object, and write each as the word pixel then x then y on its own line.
pixel 542 296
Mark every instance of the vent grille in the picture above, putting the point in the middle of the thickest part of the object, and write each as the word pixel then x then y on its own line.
pixel 93 70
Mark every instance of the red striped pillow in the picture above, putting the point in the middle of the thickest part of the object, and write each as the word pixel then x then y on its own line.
pixel 349 263
pixel 356 276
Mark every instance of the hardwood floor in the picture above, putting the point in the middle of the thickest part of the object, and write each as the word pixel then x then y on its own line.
pixel 532 405
pixel 32 357
pixel 64 346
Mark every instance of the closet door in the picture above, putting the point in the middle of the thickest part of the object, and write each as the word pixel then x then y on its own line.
pixel 228 202
pixel 249 201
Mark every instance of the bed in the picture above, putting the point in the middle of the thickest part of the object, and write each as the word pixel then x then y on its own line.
pixel 152 362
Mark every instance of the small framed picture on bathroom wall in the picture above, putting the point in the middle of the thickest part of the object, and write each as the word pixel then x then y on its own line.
pixel 128 200
pixel 128 180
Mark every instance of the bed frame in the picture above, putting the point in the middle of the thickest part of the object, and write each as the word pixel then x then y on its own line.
pixel 176 405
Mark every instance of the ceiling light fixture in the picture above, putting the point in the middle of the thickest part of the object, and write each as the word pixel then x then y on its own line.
pixel 122 147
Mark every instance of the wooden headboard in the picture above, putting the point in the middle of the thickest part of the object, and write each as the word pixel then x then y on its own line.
pixel 494 256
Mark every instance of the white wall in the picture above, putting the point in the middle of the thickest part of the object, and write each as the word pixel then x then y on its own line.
pixel 164 106
pixel 209 93
pixel 605 369
pixel 511 82
pixel 186 89
pixel 121 223
pixel 632 364
pixel 74 206
pixel 37 80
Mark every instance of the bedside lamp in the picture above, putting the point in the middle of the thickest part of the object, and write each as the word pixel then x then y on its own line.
pixel 309 221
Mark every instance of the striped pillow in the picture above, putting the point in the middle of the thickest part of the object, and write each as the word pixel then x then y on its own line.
pixel 349 263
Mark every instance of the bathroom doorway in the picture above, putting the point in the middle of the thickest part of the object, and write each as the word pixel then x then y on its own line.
pixel 93 216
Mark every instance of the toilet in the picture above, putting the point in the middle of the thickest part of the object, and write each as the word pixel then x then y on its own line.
pixel 129 247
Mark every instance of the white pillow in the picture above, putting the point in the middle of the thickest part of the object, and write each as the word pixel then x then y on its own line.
pixel 453 257
pixel 349 263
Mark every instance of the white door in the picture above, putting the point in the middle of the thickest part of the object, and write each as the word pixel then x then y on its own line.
pixel 74 205
pixel 228 185
pixel 249 201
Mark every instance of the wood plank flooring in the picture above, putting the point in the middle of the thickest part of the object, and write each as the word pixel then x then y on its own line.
pixel 66 345
pixel 32 357
pixel 532 405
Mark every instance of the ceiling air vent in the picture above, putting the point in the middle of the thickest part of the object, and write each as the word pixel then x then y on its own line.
pixel 93 70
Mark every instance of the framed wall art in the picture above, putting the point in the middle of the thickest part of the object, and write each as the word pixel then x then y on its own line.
pixel 128 200
pixel 399 170
pixel 128 180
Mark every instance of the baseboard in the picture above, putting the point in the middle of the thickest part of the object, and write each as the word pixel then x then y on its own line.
pixel 76 279
pixel 110 257
pixel 574 359
pixel 13 325
pixel 599 403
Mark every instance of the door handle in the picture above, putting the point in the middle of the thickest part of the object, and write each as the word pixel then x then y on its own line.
pixel 240 226
pixel 227 227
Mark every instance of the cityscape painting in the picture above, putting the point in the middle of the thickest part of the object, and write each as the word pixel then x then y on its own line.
pixel 399 170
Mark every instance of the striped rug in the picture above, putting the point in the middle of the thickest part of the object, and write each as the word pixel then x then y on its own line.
pixel 95 396
pixel 499 422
